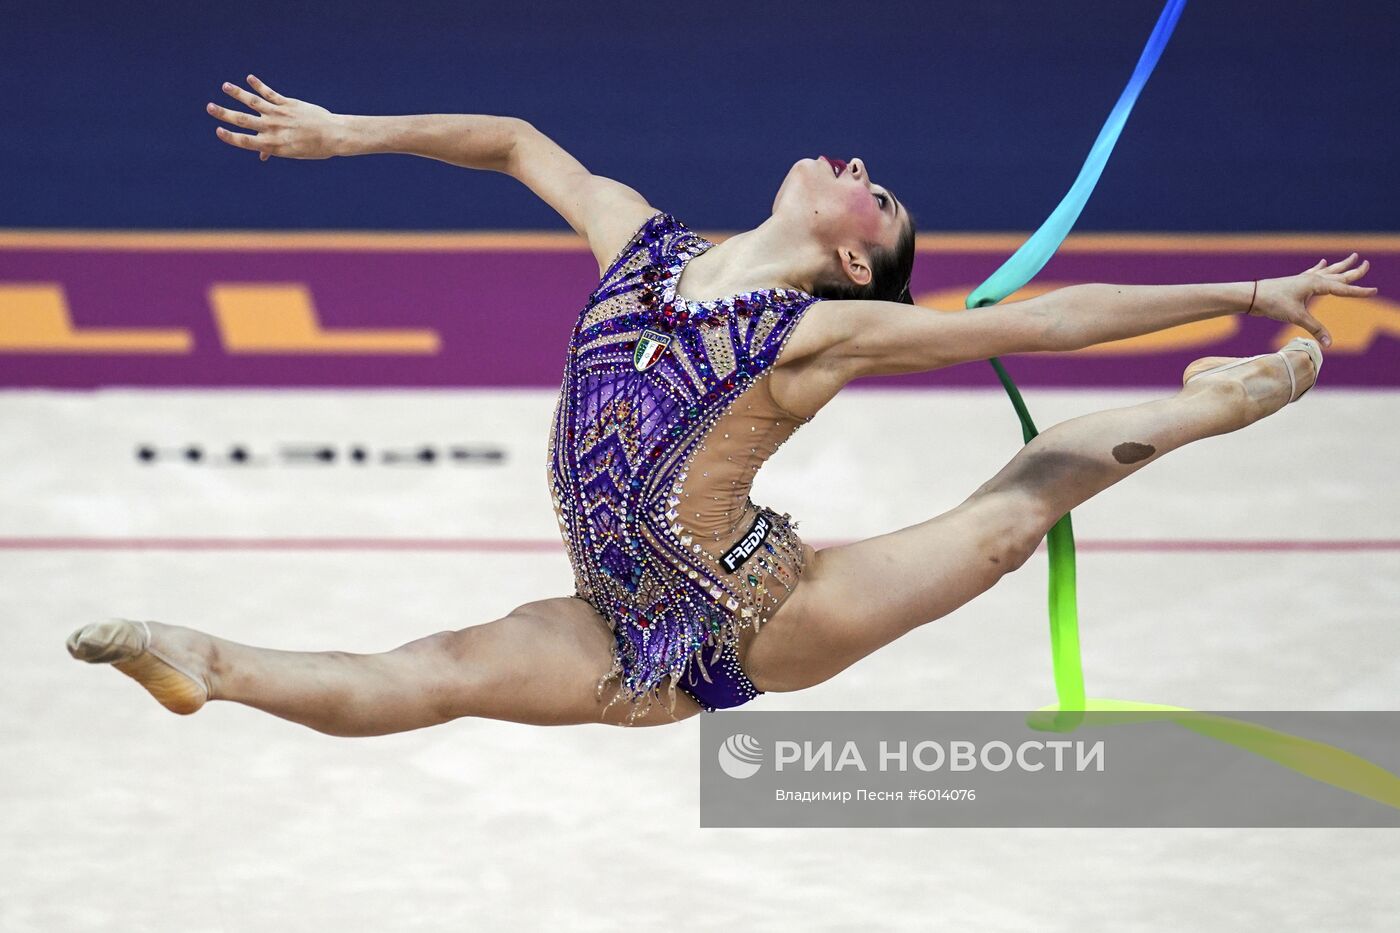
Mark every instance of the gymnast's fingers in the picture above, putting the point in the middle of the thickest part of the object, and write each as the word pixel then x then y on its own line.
pixel 1313 326
pixel 1351 275
pixel 236 117
pixel 1341 264
pixel 252 101
pixel 1335 287
pixel 266 91
pixel 241 140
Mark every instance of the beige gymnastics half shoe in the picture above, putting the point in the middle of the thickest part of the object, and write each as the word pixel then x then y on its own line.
pixel 1304 344
pixel 126 645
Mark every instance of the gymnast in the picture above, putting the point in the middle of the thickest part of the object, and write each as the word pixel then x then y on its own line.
pixel 689 364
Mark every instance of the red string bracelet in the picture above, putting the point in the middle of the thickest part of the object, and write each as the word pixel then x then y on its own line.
pixel 1252 296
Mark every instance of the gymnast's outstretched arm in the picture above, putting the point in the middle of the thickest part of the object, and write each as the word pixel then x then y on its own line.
pixel 860 338
pixel 606 213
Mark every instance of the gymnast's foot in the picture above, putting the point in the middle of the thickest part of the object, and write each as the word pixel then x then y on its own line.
pixel 1268 385
pixel 165 659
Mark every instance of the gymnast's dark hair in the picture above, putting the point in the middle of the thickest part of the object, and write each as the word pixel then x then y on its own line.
pixel 890 272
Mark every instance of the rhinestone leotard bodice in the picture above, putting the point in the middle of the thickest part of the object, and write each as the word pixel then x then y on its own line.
pixel 663 418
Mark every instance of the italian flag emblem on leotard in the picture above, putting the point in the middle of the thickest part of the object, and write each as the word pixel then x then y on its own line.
pixel 650 346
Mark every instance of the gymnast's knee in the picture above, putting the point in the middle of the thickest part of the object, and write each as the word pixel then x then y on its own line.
pixel 1011 524
pixel 1011 553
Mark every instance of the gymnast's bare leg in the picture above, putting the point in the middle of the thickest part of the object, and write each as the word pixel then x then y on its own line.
pixel 855 598
pixel 540 665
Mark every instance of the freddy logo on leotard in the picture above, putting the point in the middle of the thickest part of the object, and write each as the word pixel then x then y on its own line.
pixel 740 552
pixel 650 346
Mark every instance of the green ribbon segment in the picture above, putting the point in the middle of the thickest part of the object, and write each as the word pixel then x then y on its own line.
pixel 1317 760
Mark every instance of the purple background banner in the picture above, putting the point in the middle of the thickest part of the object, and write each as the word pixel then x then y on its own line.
pixel 502 305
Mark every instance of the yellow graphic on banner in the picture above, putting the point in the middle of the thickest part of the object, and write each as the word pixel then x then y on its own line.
pixel 34 318
pixel 280 318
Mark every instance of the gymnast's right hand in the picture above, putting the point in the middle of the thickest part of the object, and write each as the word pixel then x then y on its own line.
pixel 282 126
pixel 1286 299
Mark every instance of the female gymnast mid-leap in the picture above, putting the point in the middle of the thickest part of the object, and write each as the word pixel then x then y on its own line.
pixel 689 365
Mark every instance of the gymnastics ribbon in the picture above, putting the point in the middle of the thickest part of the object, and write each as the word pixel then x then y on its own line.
pixel 1319 761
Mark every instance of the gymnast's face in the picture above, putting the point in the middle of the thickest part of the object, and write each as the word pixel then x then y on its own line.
pixel 842 211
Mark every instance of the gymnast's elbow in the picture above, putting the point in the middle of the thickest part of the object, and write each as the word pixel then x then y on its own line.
pixel 1060 318
pixel 1029 326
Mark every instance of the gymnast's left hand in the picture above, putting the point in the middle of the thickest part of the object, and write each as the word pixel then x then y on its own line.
pixel 1286 299
pixel 282 126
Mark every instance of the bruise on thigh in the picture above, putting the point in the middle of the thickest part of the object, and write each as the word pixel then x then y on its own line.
pixel 1050 469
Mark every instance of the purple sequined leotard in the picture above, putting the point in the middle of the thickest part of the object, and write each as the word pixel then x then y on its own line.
pixel 662 421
